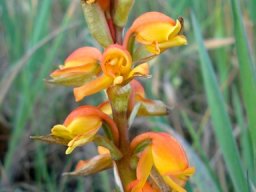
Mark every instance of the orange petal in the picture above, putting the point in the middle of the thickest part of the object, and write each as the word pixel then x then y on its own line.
pixel 61 131
pixel 86 68
pixel 85 111
pixel 75 76
pixel 84 124
pixel 168 154
pixel 143 168
pixel 103 150
pixel 92 87
pixel 105 107
pixel 82 56
pixel 146 19
pixel 80 140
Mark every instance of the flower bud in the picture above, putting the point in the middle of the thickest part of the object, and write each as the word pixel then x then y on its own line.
pixel 122 10
pixel 97 23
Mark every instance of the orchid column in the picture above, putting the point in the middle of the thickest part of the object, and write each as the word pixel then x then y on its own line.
pixel 151 161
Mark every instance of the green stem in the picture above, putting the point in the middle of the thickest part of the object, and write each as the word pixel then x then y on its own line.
pixel 118 97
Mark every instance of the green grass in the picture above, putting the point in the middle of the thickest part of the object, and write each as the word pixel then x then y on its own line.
pixel 213 90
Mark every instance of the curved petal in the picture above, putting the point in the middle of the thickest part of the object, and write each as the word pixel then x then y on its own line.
pixel 83 56
pixel 140 138
pixel 175 41
pixel 85 111
pixel 92 87
pixel 157 32
pixel 61 131
pixel 82 125
pixel 168 154
pixel 143 168
pixel 80 140
pixel 160 31
pixel 147 19
pixel 105 107
pixel 79 67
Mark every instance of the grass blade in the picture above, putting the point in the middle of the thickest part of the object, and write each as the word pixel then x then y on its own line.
pixel 247 72
pixel 221 122
pixel 246 147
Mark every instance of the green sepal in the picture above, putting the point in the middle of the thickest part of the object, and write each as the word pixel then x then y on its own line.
pixel 92 166
pixel 50 139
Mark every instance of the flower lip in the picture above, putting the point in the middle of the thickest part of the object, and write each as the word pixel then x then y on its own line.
pixel 82 56
pixel 116 61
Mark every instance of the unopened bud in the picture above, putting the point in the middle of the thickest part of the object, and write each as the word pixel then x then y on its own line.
pixel 122 10
pixel 97 23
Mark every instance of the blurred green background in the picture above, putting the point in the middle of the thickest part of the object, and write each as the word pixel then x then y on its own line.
pixel 210 83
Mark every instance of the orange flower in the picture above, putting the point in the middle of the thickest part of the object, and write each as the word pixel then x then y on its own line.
pixel 116 65
pixel 78 68
pixel 81 126
pixel 167 156
pixel 156 31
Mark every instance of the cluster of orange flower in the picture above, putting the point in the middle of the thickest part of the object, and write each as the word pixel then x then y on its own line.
pixel 124 58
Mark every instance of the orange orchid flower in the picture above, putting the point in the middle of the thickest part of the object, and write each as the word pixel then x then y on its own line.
pixel 78 68
pixel 81 126
pixel 116 65
pixel 156 31
pixel 167 156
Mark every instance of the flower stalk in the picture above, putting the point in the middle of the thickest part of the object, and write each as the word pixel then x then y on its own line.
pixel 150 156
